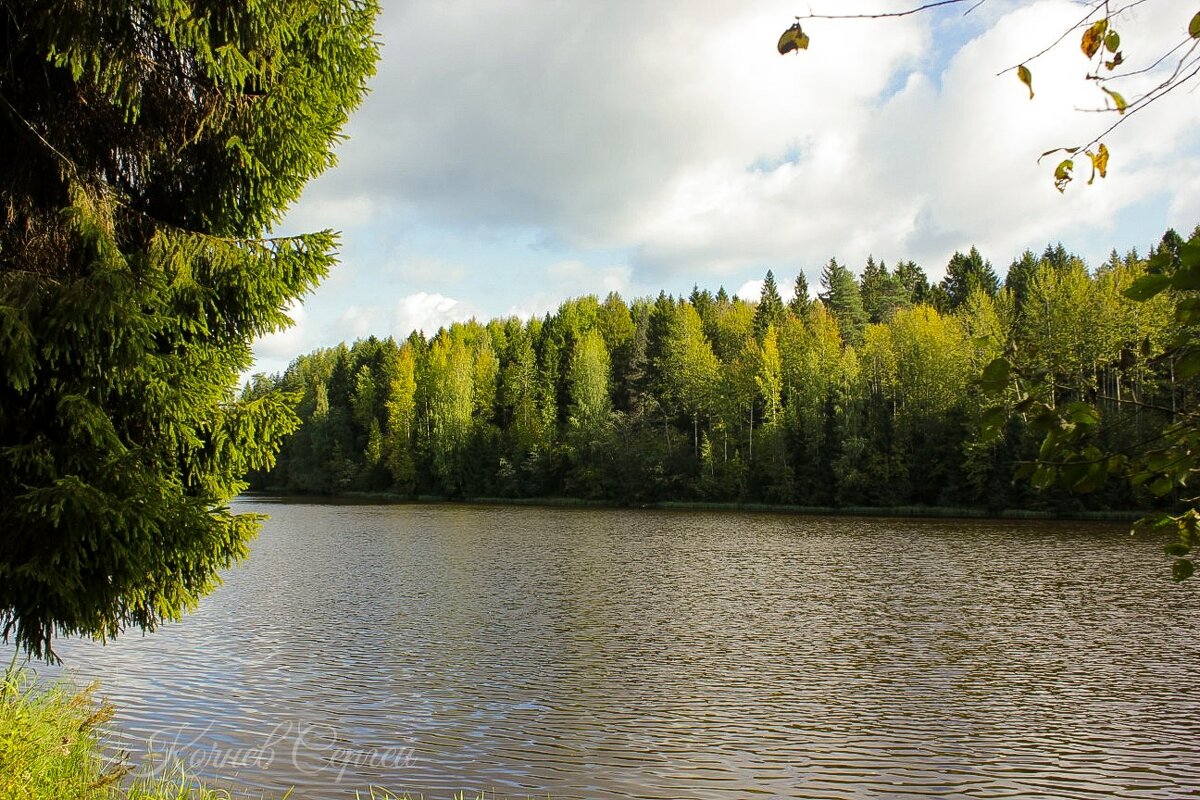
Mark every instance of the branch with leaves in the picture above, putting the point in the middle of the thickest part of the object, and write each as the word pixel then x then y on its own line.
pixel 1165 463
pixel 1100 43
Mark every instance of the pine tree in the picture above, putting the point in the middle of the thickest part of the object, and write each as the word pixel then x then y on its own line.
pixel 914 284
pixel 882 292
pixel 1020 274
pixel 770 307
pixel 967 272
pixel 843 299
pixel 148 149
pixel 800 301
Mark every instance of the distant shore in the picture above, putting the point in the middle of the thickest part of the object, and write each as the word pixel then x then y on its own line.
pixel 930 512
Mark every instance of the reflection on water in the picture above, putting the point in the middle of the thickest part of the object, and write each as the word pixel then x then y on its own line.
pixel 636 654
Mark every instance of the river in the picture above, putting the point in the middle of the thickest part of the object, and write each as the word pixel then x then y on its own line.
pixel 650 654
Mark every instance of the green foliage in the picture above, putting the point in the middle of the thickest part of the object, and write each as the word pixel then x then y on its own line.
pixel 53 746
pixel 681 399
pixel 1100 43
pixel 800 301
pixel 148 150
pixel 967 273
pixel 842 297
pixel 1056 387
pixel 769 310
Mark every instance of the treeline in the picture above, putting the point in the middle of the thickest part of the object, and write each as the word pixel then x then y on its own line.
pixel 867 395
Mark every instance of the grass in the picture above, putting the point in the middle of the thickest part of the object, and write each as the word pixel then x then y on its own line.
pixel 53 747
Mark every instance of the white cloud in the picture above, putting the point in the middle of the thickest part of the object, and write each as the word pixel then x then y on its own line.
pixel 286 343
pixel 648 145
pixel 356 323
pixel 752 290
pixel 427 313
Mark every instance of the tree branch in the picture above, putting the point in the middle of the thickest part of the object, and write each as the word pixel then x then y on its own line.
pixel 894 14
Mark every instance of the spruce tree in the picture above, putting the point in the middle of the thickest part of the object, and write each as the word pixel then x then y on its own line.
pixel 800 301
pixel 149 148
pixel 914 285
pixel 841 296
pixel 770 307
pixel 967 272
pixel 882 292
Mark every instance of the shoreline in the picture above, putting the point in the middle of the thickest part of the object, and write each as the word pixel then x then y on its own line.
pixel 909 512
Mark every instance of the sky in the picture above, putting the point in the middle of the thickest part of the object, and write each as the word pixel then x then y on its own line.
pixel 512 155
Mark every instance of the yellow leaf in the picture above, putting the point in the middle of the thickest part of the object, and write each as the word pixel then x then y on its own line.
pixel 1062 174
pixel 1117 99
pixel 1093 38
pixel 1099 163
pixel 793 39
pixel 1026 77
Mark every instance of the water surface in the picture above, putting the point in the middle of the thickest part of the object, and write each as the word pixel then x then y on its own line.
pixel 647 654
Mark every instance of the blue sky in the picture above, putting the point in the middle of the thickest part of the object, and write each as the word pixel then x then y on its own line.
pixel 511 155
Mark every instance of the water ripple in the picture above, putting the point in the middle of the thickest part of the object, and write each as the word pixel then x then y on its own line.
pixel 635 654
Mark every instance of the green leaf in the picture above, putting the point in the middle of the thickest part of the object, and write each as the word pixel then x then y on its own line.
pixel 1162 485
pixel 1188 366
pixel 1093 38
pixel 1153 522
pixel 1026 77
pixel 991 422
pixel 1043 477
pixel 1182 569
pixel 1187 311
pixel 995 376
pixel 1189 254
pixel 1147 286
pixel 1081 413
pixel 1177 549
pixel 794 39
pixel 1112 41
pixel 1186 277
pixel 1194 26
pixel 1118 100
pixel 1094 480
pixel 1062 174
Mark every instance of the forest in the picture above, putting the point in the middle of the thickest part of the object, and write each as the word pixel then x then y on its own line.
pixel 869 394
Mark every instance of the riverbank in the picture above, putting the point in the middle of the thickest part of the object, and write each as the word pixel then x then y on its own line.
pixel 917 512
pixel 54 745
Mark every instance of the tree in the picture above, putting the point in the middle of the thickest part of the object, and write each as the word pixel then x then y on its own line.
pixel 770 307
pixel 800 301
pixel 1167 460
pixel 451 397
pixel 1178 64
pixel 966 273
pixel 589 380
pixel 149 147
pixel 843 299
pixel 688 366
pixel 882 292
pixel 914 285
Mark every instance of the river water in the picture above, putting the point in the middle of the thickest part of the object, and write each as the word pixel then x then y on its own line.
pixel 651 654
